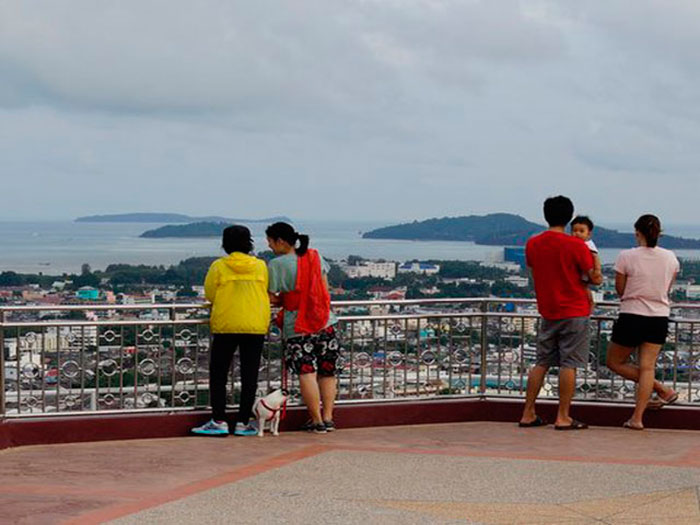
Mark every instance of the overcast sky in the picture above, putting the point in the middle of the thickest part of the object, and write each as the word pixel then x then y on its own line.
pixel 373 109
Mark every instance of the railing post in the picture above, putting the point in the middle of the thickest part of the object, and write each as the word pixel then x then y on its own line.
pixel 484 347
pixel 2 364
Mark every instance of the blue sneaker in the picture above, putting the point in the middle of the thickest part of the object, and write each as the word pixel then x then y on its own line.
pixel 245 430
pixel 212 428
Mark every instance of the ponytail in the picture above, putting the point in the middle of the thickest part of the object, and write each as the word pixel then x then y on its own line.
pixel 286 232
pixel 650 228
pixel 303 244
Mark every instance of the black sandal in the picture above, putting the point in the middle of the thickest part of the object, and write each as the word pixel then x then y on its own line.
pixel 537 422
pixel 575 425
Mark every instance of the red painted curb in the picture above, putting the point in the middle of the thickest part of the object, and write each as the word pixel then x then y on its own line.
pixel 74 429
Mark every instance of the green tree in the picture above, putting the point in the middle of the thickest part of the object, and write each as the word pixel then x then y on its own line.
pixel 11 279
pixel 336 276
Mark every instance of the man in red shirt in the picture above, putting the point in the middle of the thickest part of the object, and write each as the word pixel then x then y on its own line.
pixel 558 262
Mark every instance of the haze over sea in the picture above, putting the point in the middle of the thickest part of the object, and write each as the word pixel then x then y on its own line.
pixel 57 247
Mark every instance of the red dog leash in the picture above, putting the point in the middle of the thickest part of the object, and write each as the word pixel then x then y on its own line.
pixel 284 389
pixel 273 410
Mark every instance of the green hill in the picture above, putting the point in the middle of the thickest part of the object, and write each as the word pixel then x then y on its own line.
pixel 194 229
pixel 505 229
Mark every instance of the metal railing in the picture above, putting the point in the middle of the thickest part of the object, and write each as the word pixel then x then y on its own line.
pixel 154 357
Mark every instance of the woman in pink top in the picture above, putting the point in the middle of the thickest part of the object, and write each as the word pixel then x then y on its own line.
pixel 643 278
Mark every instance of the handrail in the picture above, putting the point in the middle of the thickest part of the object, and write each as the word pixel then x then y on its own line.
pixel 335 303
pixel 398 352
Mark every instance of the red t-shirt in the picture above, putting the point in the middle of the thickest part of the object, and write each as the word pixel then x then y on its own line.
pixel 558 261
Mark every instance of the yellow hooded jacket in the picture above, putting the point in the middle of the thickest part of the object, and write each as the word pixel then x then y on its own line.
pixel 236 286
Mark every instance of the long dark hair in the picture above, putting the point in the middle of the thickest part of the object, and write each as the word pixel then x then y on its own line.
pixel 287 233
pixel 650 227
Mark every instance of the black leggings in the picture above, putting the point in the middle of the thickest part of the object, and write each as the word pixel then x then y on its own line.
pixel 223 347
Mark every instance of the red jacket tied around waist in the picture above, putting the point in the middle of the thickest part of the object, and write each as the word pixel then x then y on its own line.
pixel 310 298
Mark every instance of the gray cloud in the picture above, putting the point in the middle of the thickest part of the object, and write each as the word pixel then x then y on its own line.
pixel 365 109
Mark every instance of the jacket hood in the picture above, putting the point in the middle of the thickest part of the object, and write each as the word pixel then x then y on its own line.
pixel 241 264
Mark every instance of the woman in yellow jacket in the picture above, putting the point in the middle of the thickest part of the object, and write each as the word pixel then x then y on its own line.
pixel 236 286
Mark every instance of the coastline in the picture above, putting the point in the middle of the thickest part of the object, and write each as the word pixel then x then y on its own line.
pixel 65 245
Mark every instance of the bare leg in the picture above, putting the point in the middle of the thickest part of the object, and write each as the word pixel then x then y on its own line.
pixel 310 395
pixel 534 384
pixel 567 385
pixel 647 362
pixel 329 389
pixel 617 361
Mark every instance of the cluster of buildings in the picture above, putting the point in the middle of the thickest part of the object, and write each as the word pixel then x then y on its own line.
pixel 61 293
pixel 386 269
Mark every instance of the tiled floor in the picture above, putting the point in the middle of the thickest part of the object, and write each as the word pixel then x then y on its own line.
pixel 491 473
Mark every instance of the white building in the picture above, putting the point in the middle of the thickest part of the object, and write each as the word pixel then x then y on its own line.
pixel 424 268
pixel 517 280
pixel 509 267
pixel 692 291
pixel 382 270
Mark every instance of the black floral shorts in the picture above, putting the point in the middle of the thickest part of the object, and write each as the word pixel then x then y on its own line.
pixel 317 352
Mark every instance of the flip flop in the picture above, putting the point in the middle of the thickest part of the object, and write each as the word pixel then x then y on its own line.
pixel 657 402
pixel 628 424
pixel 537 422
pixel 670 400
pixel 575 425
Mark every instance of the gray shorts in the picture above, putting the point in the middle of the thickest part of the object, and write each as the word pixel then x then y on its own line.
pixel 563 342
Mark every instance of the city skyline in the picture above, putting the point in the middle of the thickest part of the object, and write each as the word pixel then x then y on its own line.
pixel 377 110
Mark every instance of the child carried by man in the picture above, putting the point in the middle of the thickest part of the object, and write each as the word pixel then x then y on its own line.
pixel 582 227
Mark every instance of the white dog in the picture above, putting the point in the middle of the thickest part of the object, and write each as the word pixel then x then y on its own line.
pixel 269 408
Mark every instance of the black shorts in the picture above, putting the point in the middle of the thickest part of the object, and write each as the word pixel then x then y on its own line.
pixel 317 352
pixel 632 330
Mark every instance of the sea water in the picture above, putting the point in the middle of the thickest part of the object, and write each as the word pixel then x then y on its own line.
pixel 57 247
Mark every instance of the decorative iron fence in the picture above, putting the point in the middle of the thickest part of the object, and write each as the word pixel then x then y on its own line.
pixel 154 357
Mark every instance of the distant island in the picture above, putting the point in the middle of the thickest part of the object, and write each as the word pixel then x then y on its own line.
pixel 176 218
pixel 505 229
pixel 193 229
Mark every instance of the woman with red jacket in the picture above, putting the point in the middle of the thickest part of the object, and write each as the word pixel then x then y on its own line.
pixel 298 284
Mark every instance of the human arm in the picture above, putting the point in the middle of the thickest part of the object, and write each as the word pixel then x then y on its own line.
pixel 275 299
pixel 274 285
pixel 621 273
pixel 673 280
pixel 596 273
pixel 586 261
pixel 620 283
pixel 676 270
pixel 211 283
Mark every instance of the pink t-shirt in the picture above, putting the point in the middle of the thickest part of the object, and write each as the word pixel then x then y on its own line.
pixel 650 272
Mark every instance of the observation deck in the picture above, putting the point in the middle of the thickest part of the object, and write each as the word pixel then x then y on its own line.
pixel 429 394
